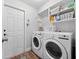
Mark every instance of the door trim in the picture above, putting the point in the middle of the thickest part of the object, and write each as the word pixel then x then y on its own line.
pixel 6 5
pixel 14 7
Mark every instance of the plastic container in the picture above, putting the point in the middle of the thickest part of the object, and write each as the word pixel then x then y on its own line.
pixel 61 17
pixel 57 18
pixel 52 19
pixel 71 4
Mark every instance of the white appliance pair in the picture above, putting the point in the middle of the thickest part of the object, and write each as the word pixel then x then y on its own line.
pixel 52 45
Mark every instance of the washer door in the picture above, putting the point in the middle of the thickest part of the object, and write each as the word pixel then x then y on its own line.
pixel 55 50
pixel 36 42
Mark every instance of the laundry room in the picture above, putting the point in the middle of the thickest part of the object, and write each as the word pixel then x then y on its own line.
pixel 38 29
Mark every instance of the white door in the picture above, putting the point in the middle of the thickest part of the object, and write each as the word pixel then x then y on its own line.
pixel 13 32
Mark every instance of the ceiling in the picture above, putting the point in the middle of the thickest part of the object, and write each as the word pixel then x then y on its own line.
pixel 35 3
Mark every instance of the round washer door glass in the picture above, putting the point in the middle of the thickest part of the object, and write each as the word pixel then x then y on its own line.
pixel 36 42
pixel 54 50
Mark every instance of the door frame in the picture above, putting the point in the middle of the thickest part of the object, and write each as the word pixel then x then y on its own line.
pixel 6 5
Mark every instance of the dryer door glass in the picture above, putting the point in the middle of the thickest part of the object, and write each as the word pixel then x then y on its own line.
pixel 36 42
pixel 54 50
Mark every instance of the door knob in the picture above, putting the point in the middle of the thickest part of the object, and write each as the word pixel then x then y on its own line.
pixel 5 34
pixel 4 40
pixel 4 30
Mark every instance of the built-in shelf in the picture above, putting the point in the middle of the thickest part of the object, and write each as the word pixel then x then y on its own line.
pixel 44 14
pixel 49 12
pixel 65 20
pixel 66 10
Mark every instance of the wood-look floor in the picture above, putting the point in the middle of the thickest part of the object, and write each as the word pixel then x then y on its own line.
pixel 26 55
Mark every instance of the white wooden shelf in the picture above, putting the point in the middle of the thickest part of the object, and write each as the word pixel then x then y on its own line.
pixel 66 20
pixel 63 11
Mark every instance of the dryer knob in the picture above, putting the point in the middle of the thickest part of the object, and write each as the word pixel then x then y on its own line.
pixel 64 35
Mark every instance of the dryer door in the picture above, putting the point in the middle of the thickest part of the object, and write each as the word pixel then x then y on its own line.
pixel 55 50
pixel 36 42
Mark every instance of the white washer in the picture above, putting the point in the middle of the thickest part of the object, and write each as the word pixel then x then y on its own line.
pixel 37 43
pixel 57 45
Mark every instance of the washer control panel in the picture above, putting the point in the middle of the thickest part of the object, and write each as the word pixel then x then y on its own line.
pixel 64 37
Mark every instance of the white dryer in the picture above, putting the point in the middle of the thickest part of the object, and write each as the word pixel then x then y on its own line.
pixel 57 45
pixel 37 43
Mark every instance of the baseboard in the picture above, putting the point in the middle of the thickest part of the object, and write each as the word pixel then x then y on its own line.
pixel 28 49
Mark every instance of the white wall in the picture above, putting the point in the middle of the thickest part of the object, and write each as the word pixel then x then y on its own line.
pixel 31 14
pixel 67 27
pixel 46 23
pixel 63 26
